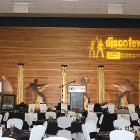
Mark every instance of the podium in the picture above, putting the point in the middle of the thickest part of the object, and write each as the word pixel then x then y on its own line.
pixel 77 97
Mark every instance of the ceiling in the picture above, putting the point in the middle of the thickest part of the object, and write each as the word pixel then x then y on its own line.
pixel 73 8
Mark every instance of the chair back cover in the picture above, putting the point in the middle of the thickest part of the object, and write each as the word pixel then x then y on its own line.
pixel 89 127
pixel 1 116
pixel 131 108
pixel 111 108
pixel 45 124
pixel 92 116
pixel 6 138
pixel 15 122
pixel 121 124
pixel 30 117
pixel 6 116
pixel 43 107
pixel 37 132
pixel 121 135
pixel 55 138
pixel 31 108
pixel 64 122
pixel 50 114
pixel 134 116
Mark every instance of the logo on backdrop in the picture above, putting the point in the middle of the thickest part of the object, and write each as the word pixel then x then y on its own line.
pixel 113 48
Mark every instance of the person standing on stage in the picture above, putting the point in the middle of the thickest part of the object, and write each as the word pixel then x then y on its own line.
pixel 124 89
pixel 6 86
pixel 33 88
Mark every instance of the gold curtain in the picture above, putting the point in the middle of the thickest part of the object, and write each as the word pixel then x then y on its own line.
pixel 20 97
pixel 101 84
pixel 139 85
pixel 64 84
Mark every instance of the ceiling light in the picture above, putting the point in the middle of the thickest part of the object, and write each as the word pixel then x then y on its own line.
pixel 115 8
pixel 20 7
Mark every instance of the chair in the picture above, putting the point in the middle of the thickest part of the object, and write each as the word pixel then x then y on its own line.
pixel 64 108
pixel 6 116
pixel 134 116
pixel 45 124
pixel 43 107
pixel 111 108
pixel 121 124
pixel 125 116
pixel 72 115
pixel 64 122
pixel 89 128
pixel 92 116
pixel 1 116
pixel 131 108
pixel 90 107
pixel 30 117
pixel 50 114
pixel 121 135
pixel 55 138
pixel 37 132
pixel 6 138
pixel 18 123
pixel 31 108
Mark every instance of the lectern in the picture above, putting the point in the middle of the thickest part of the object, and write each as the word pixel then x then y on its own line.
pixel 77 96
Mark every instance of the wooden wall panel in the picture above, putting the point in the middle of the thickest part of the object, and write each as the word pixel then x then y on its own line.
pixel 43 50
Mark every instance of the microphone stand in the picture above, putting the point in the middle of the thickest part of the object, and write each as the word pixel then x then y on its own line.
pixel 67 84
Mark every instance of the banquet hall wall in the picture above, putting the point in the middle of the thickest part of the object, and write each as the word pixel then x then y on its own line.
pixel 43 50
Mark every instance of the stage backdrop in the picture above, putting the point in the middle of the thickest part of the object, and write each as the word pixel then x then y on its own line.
pixel 43 50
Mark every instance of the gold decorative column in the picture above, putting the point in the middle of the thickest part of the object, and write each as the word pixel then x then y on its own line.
pixel 64 84
pixel 139 85
pixel 101 84
pixel 20 97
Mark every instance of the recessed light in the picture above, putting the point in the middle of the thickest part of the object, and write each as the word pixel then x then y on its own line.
pixel 115 8
pixel 20 7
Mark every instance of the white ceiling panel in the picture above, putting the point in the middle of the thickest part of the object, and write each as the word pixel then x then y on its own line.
pixel 94 7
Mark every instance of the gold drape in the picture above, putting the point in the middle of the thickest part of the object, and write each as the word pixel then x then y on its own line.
pixel 139 85
pixel 101 84
pixel 20 97
pixel 64 84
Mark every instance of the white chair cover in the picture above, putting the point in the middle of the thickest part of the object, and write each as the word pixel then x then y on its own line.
pixel 64 122
pixel 6 138
pixel 134 116
pixel 6 116
pixel 125 116
pixel 30 117
pixel 101 119
pixel 88 127
pixel 43 107
pixel 72 115
pixel 15 122
pixel 92 116
pixel 1 117
pixel 131 108
pixel 50 114
pixel 90 107
pixel 55 138
pixel 45 124
pixel 111 108
pixel 1 131
pixel 121 124
pixel 37 132
pixel 65 134
pixel 31 108
pixel 64 108
pixel 121 135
